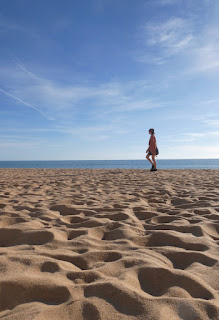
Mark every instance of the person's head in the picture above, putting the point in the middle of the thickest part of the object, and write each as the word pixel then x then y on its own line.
pixel 151 131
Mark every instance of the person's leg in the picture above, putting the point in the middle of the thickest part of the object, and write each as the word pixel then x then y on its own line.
pixel 154 162
pixel 148 158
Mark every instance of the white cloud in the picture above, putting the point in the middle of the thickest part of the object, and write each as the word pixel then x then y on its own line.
pixel 189 138
pixel 165 2
pixel 53 98
pixel 188 151
pixel 139 105
pixel 192 40
pixel 212 120
pixel 196 135
pixel 206 56
pixel 169 38
pixel 98 132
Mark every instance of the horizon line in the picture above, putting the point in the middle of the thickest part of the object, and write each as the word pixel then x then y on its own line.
pixel 114 159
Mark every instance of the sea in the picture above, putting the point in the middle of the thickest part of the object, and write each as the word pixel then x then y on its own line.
pixel 114 164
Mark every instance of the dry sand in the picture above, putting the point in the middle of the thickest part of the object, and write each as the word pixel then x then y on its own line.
pixel 109 244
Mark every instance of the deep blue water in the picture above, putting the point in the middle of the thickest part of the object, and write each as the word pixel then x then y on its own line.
pixel 114 164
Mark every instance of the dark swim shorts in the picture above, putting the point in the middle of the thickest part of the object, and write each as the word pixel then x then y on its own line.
pixel 157 152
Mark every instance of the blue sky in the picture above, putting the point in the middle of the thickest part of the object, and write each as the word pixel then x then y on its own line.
pixel 87 79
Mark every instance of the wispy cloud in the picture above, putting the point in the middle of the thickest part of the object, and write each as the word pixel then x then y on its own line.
pixel 173 34
pixel 139 105
pixel 21 66
pixel 197 135
pixel 206 57
pixel 163 2
pixel 212 122
pixel 189 138
pixel 89 132
pixel 53 97
pixel 168 38
pixel 167 2
pixel 23 102
pixel 192 41
pixel 87 112
pixel 190 151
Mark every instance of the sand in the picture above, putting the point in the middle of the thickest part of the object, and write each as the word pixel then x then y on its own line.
pixel 109 244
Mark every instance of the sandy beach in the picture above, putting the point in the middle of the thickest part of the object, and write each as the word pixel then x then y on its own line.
pixel 109 244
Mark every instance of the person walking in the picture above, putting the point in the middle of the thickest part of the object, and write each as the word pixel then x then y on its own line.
pixel 152 150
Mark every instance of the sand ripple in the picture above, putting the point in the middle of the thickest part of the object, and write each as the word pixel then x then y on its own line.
pixel 109 244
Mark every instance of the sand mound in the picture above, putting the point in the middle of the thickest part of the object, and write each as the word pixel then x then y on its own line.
pixel 104 244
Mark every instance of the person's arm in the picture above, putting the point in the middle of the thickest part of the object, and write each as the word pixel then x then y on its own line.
pixel 149 145
pixel 155 142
